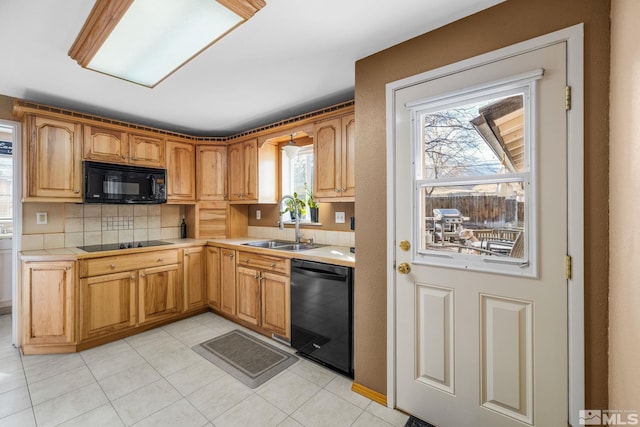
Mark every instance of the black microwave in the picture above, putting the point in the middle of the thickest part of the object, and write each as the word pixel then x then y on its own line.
pixel 109 183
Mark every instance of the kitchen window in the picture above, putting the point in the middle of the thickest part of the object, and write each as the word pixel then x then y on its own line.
pixel 297 176
pixel 6 197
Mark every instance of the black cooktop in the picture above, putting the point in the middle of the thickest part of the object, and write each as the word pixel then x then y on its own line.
pixel 113 246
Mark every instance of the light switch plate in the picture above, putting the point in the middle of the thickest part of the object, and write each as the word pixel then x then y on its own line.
pixel 340 217
pixel 258 214
pixel 41 218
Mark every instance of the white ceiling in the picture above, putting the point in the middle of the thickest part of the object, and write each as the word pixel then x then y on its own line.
pixel 292 57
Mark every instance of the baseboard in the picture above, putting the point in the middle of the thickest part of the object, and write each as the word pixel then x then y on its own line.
pixel 369 394
pixel 5 307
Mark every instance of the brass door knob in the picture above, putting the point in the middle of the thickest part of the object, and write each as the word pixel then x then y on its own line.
pixel 404 268
pixel 405 245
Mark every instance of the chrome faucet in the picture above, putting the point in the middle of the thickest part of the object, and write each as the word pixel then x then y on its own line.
pixel 296 208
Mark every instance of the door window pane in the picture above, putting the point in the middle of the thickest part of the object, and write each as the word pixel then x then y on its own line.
pixel 473 177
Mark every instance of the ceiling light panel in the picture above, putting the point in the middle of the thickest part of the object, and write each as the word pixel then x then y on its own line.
pixel 144 41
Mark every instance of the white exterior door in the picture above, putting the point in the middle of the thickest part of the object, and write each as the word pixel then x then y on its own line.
pixel 481 288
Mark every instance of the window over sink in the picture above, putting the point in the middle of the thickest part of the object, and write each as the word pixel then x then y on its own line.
pixel 296 176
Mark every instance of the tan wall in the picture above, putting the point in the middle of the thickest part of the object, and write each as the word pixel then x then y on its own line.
pixel 505 24
pixel 6 107
pixel 269 216
pixel 624 204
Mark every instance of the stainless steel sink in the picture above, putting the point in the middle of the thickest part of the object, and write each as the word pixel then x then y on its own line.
pixel 283 245
pixel 268 243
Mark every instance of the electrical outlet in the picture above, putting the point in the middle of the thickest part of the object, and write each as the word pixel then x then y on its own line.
pixel 339 217
pixel 258 214
pixel 41 218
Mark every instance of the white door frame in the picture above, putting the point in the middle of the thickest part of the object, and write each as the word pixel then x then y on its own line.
pixel 574 37
pixel 16 130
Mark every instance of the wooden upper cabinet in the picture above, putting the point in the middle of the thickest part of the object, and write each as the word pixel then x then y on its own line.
pixel 105 145
pixel 181 172
pixel 243 171
pixel 54 159
pixel 146 150
pixel 334 146
pixel 112 145
pixel 211 173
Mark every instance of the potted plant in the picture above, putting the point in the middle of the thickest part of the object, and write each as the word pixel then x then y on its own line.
pixel 290 207
pixel 313 205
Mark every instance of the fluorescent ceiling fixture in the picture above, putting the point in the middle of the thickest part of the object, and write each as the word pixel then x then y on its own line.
pixel 144 41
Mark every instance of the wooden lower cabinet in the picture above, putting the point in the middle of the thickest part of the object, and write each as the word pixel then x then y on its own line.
pixel 276 304
pixel 263 292
pixel 228 281
pixel 48 305
pixel 248 295
pixel 212 269
pixel 159 293
pixel 108 304
pixel 195 289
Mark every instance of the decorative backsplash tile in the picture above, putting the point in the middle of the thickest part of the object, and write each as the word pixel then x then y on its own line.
pixel 95 224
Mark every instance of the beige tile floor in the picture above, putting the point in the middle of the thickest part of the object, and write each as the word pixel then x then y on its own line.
pixel 155 379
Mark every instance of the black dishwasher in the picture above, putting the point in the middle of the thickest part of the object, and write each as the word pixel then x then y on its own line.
pixel 322 313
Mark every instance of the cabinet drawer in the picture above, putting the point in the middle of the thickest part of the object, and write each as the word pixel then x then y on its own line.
pixel 264 262
pixel 118 263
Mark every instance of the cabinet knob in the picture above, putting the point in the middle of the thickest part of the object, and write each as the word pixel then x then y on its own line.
pixel 133 277
pixel 225 197
pixel 134 158
pixel 160 260
pixel 257 276
pixel 273 264
pixel 124 157
pixel 76 191
pixel 187 254
pixel 247 260
pixel 112 266
pixel 337 190
pixel 344 189
pixel 142 275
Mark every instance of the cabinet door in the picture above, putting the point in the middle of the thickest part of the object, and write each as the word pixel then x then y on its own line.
pixel 181 169
pixel 211 175
pixel 243 171
pixel 213 276
pixel 250 168
pixel 54 159
pixel 146 151
pixel 105 145
pixel 248 295
pixel 159 293
pixel 327 146
pixel 48 302
pixel 348 163
pixel 228 281
pixel 108 304
pixel 276 304
pixel 194 285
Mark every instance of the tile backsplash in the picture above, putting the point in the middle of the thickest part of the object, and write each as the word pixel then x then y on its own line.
pixel 94 224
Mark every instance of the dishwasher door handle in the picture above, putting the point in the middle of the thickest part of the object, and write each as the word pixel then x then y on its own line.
pixel 320 274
